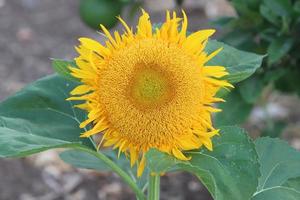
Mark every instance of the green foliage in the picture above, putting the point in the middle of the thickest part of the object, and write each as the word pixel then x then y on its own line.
pixel 234 111
pixel 251 89
pixel 239 69
pixel 230 171
pixel 62 68
pixel 165 163
pixel 289 81
pixel 39 118
pixel 96 12
pixel 85 160
pixel 279 167
pixel 268 27
pixel 278 48
pixel 240 169
pixel 274 128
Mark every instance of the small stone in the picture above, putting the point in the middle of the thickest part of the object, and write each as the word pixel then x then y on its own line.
pixel 78 195
pixel 101 195
pixel 113 188
pixel 2 3
pixel 277 111
pixel 53 171
pixel 26 197
pixel 45 158
pixel 296 143
pixel 193 186
pixel 71 180
pixel 24 34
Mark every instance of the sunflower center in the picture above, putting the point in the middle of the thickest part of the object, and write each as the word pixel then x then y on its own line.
pixel 149 87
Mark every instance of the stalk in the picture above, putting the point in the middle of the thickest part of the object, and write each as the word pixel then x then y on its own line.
pixel 154 187
pixel 126 178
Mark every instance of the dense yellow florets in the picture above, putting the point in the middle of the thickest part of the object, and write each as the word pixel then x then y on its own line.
pixel 149 89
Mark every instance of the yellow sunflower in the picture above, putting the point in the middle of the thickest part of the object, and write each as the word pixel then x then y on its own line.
pixel 149 88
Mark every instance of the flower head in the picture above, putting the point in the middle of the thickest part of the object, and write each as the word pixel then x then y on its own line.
pixel 149 88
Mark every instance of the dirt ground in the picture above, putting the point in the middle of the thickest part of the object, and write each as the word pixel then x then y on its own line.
pixel 33 31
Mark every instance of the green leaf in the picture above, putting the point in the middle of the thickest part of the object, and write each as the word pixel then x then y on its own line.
pixel 89 156
pixel 293 183
pixel 279 7
pixel 239 39
pixel 250 3
pixel 230 171
pixel 297 7
pixel 234 111
pixel 239 64
pixel 83 160
pixel 274 74
pixel 96 12
pixel 251 89
pixel 289 82
pixel 279 163
pixel 165 163
pixel 222 22
pixel 268 34
pixel 269 15
pixel 279 48
pixel 278 193
pixel 274 128
pixel 62 68
pixel 245 7
pixel 39 118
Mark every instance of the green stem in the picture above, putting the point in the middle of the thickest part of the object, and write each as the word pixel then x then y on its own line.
pixel 153 187
pixel 126 178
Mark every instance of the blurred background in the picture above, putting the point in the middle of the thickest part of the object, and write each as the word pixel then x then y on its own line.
pixel 33 31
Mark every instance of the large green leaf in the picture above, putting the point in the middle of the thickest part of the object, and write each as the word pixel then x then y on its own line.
pixel 289 81
pixel 279 167
pixel 230 171
pixel 239 64
pixel 85 160
pixel 62 68
pixel 278 193
pixel 233 165
pixel 274 128
pixel 269 15
pixel 279 7
pixel 81 159
pixel 251 89
pixel 39 118
pixel 165 163
pixel 293 183
pixel 234 111
pixel 278 49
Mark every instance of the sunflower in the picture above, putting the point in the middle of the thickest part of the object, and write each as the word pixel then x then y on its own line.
pixel 149 88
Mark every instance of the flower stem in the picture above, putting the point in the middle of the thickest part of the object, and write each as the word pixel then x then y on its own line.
pixel 153 187
pixel 126 178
